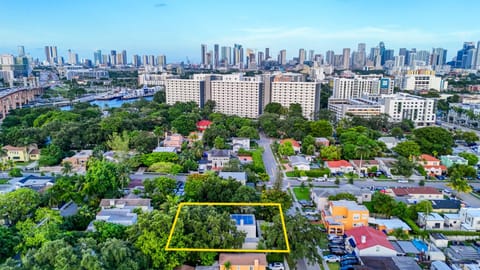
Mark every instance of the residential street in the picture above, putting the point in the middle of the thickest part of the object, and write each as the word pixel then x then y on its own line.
pixel 268 158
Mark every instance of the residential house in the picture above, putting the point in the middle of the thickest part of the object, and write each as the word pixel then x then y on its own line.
pixel 300 163
pixel 431 221
pixel 33 182
pixel 163 149
pixel 295 144
pixel 120 211
pixel 174 140
pixel 452 221
pixel 470 219
pixel 238 176
pixel 243 261
pixel 439 240
pixel 439 265
pixel 370 242
pixel 390 142
pixel 339 166
pixel 386 165
pixel 449 160
pixel 202 125
pixel 245 159
pixel 79 160
pixel 343 215
pixel 431 165
pixel 238 143
pixel 246 223
pixel 446 206
pixel 417 194
pixel 364 166
pixel 217 158
pixel 389 225
pixel 321 141
pixel 320 195
pixel 462 254
pixel 22 154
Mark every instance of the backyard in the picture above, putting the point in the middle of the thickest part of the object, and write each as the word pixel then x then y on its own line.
pixel 302 193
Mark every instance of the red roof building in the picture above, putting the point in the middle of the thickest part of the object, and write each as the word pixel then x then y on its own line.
pixel 295 144
pixel 339 166
pixel 371 242
pixel 203 124
pixel 431 165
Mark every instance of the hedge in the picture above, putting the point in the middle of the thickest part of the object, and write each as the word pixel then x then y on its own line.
pixel 311 173
pixel 258 165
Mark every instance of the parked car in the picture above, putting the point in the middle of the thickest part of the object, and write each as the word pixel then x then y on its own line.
pixel 440 177
pixel 338 251
pixel 347 267
pixel 403 181
pixel 337 241
pixel 331 258
pixel 348 256
pixel 276 266
pixel 348 262
pixel 332 236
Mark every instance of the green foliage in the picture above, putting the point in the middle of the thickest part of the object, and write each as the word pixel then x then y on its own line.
pixel 104 179
pixel 407 149
pixel 165 167
pixel 9 239
pixel 383 204
pixel 310 173
pixel 16 206
pixel 274 107
pixel 330 152
pixel 186 123
pixel 158 189
pixel 342 196
pixel 286 149
pixel 210 188
pixel 403 166
pixel 472 158
pixel 308 145
pixel 434 139
pixel 151 158
pixel 50 155
pixel 219 143
pixel 15 172
pixel 358 138
pixel 321 128
pixel 257 159
pixel 106 230
pixel 400 234
pixel 248 132
pixel 397 132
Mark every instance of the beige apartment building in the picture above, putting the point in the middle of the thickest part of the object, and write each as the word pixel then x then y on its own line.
pixel 240 98
pixel 184 90
pixel 307 94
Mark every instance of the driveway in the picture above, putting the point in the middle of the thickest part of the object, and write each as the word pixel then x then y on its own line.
pixel 268 158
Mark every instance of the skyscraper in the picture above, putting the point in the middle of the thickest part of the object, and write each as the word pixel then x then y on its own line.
pixel 215 55
pixel 21 51
pixel 238 55
pixel 260 59
pixel 381 46
pixel 423 56
pixel 136 60
pixel 282 57
pixel 113 57
pixel 301 56
pixel 311 54
pixel 97 57
pixel 267 53
pixel 204 54
pixel 477 57
pixel 329 57
pixel 359 57
pixel 462 55
pixel 124 57
pixel 438 57
pixel 346 58
pixel 72 58
pixel 51 54
pixel 48 54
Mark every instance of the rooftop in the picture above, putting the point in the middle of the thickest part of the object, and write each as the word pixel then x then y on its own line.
pixel 298 159
pixel 352 189
pixel 392 224
pixel 431 216
pixel 243 219
pixel 242 258
pixel 294 142
pixel 219 153
pixel 388 139
pixel 83 154
pixel 371 236
pixel 349 204
pixel 338 164
pixel 406 247
pixel 446 204
pixel 462 253
pixel 357 162
pixel 107 203
pixel 240 176
pixel 426 157
pixel 403 191
pixel 160 149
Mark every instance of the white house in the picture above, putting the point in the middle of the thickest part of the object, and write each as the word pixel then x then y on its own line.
pixel 452 221
pixel 390 142
pixel 300 163
pixel 218 158
pixel 238 143
pixel 320 195
pixel 470 218
pixel 431 221
pixel 370 242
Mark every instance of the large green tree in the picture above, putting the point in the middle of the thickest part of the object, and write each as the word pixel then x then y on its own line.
pixel 434 140
pixel 472 158
pixel 407 149
pixel 321 128
pixel 159 188
pixel 17 205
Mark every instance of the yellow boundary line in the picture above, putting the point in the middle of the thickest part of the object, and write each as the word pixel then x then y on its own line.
pixel 180 205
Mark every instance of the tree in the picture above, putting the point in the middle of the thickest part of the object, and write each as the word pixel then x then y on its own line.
pixel 303 238
pixel 158 189
pixel 274 107
pixel 407 149
pixel 15 172
pixel 274 196
pixel 160 97
pixel 104 179
pixel 51 155
pixel 342 196
pixel 248 132
pixel 67 167
pixel 472 158
pixel 308 145
pixel 400 234
pixel 295 110
pixel 186 123
pixel 219 143
pixel 159 132
pixel 9 239
pixel 397 132
pixel 17 205
pixel 469 137
pixel 120 144
pixel 286 149
pixel 383 204
pixel 460 185
pixel 321 128
pixel 331 152
pixel 432 139
pixel 403 166
pixel 462 171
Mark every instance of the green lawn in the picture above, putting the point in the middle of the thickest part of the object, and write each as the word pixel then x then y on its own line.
pixel 334 266
pixel 302 193
pixel 3 181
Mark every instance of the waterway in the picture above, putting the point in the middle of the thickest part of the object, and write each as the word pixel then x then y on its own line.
pixel 114 103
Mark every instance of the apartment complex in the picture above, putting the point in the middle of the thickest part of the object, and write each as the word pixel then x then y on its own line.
pixel 235 94
pixel 359 86
pixel 422 80
pixel 358 107
pixel 404 106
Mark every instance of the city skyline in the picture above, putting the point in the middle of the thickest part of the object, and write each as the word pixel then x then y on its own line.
pixel 177 28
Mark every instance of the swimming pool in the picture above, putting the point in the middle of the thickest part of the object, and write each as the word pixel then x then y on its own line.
pixel 420 245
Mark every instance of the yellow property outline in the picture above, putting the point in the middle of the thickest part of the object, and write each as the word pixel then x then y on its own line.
pixel 180 205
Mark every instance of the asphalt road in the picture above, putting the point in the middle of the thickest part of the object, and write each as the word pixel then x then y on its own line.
pixel 268 158
pixel 462 128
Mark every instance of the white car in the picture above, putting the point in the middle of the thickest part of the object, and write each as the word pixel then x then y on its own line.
pixel 331 258
pixel 403 181
pixel 276 266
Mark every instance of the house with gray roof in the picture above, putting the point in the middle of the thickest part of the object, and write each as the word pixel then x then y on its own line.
pixel 320 195
pixel 299 162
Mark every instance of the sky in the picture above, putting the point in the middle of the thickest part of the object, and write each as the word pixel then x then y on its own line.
pixel 177 28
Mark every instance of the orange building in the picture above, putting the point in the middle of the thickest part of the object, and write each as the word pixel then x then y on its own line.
pixel 344 215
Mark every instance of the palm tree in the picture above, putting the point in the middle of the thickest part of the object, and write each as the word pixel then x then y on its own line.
pixel 362 150
pixel 159 132
pixel 67 167
pixel 460 185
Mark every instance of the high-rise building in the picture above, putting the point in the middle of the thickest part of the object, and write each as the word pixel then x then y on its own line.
pixel 240 98
pixel 261 58
pixel 97 57
pixel 389 55
pixel 136 60
pixel 204 54
pixel 411 55
pixel 403 106
pixel 369 85
pixel 359 57
pixel 21 51
pixel 113 57
pixel 267 53
pixel 307 94
pixel 346 58
pixel 438 57
pixel 329 57
pixel 151 60
pixel 237 55
pixel 179 90
pixel 48 57
pixel 381 46
pixel 301 56
pixel 461 60
pixel 124 57
pixel 311 54
pixel 403 51
pixel 162 60
pixel 423 56
pixel 51 55
pixel 477 57
pixel 225 56
pixel 282 57
pixel 145 60
pixel 216 55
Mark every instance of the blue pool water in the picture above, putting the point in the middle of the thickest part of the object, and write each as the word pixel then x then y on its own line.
pixel 114 103
pixel 420 245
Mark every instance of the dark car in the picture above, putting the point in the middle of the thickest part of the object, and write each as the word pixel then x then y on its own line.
pixel 347 267
pixel 348 257
pixel 336 241
pixel 348 262
pixel 338 251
